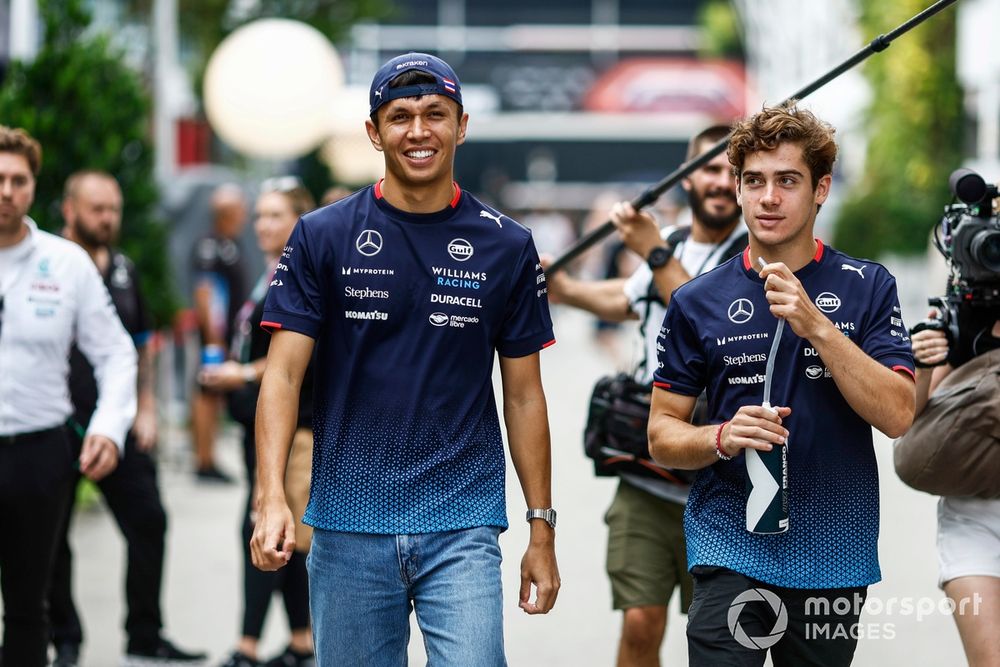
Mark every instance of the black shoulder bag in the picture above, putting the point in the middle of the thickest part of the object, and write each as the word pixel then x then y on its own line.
pixel 618 416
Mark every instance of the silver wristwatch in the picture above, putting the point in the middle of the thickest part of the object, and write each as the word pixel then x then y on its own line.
pixel 547 515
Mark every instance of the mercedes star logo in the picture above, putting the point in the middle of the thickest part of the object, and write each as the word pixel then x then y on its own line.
pixel 369 243
pixel 740 311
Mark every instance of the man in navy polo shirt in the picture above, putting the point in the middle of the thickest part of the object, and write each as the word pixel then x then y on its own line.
pixel 407 289
pixel 842 366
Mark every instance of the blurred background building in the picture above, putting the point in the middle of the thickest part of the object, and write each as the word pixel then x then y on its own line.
pixel 568 99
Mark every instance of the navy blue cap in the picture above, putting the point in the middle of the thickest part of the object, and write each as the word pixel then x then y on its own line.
pixel 445 80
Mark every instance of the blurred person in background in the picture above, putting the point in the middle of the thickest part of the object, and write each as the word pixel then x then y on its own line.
pixel 613 261
pixel 551 230
pixel 646 557
pixel 220 289
pixel 281 202
pixel 968 527
pixel 50 296
pixel 334 193
pixel 92 213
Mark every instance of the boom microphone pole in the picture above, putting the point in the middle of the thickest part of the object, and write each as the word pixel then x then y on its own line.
pixel 652 193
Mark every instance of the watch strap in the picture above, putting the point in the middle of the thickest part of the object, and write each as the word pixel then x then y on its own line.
pixel 548 515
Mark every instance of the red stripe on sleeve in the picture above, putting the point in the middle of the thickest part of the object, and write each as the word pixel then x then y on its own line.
pixel 549 344
pixel 268 326
pixel 907 370
pixel 662 385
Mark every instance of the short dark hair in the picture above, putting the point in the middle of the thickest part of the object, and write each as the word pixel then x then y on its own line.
pixel 412 78
pixel 713 134
pixel 15 140
pixel 773 126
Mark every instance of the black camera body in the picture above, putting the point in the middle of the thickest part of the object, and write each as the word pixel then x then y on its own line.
pixel 972 231
pixel 968 237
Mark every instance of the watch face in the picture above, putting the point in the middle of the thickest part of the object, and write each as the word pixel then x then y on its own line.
pixel 658 257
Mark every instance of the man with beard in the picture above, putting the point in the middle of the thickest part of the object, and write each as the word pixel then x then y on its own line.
pixel 646 556
pixel 92 211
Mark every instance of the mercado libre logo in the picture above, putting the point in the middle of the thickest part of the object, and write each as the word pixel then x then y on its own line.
pixel 758 596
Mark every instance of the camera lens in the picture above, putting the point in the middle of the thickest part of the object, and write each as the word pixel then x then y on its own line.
pixel 985 249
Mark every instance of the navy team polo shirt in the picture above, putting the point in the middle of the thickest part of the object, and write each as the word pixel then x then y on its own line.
pixel 717 333
pixel 408 311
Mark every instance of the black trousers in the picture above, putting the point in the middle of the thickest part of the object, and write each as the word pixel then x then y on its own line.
pixel 36 476
pixel 819 626
pixel 258 586
pixel 133 497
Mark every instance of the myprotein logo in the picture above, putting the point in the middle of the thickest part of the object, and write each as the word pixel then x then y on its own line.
pixel 732 339
pixel 757 596
pixel 364 270
pixel 740 311
pixel 828 302
pixel 460 250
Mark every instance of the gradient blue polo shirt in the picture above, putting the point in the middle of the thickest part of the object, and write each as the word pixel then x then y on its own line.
pixel 408 312
pixel 717 334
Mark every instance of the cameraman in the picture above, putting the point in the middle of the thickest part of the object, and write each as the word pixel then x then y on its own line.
pixel 646 557
pixel 968 527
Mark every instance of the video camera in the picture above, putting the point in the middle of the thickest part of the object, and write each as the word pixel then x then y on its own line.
pixel 968 237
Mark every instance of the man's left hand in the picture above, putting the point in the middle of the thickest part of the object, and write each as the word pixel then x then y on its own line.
pixel 98 457
pixel 789 301
pixel 539 567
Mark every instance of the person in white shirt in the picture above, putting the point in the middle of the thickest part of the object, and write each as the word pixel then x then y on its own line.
pixel 50 296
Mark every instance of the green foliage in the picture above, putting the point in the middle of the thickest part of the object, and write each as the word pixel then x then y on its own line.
pixel 90 111
pixel 720 30
pixel 204 24
pixel 915 134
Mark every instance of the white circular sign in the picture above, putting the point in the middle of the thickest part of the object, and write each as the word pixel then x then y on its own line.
pixel 269 88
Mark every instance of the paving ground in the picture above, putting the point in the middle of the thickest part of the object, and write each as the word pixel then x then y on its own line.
pixel 201 593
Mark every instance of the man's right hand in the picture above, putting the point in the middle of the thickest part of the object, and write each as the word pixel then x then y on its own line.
pixel 638 229
pixel 273 539
pixel 754 427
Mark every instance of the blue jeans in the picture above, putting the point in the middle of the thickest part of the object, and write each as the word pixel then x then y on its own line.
pixel 362 588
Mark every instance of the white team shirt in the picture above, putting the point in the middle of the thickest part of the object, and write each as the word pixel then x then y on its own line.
pixel 696 258
pixel 52 296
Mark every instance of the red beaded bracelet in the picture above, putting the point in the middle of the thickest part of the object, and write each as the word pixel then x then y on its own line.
pixel 718 443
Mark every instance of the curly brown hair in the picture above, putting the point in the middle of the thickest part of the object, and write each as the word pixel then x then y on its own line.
pixel 17 141
pixel 772 126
